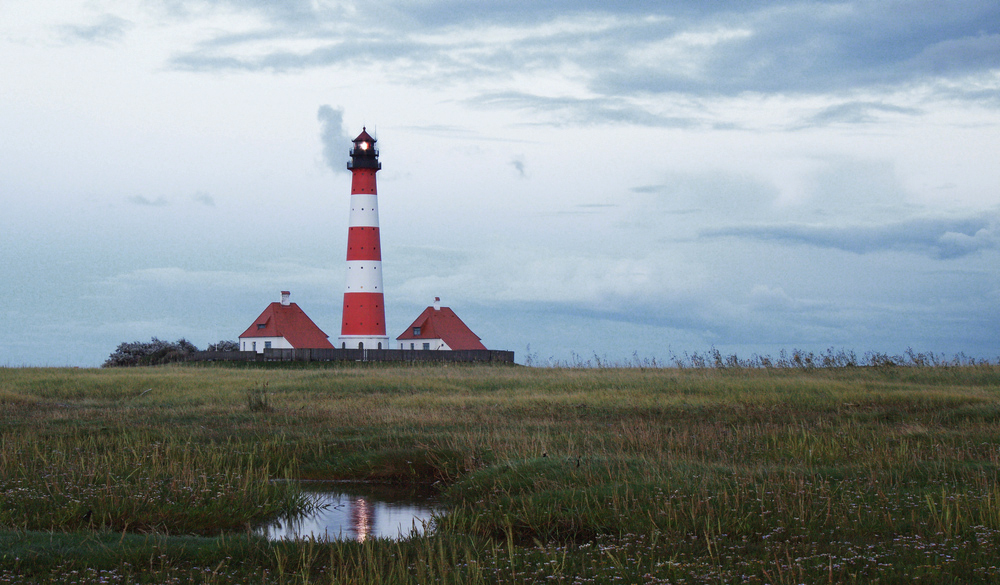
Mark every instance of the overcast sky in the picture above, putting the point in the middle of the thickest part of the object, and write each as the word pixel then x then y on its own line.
pixel 610 178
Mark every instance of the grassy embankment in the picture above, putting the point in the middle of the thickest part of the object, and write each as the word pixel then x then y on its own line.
pixel 562 475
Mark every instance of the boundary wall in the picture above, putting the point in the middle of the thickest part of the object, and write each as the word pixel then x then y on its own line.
pixel 355 355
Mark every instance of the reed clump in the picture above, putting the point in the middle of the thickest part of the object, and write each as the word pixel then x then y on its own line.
pixel 257 398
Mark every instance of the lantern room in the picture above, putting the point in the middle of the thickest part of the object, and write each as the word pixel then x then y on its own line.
pixel 364 155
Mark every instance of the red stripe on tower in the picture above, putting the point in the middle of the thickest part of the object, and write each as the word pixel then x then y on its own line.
pixel 362 244
pixel 363 325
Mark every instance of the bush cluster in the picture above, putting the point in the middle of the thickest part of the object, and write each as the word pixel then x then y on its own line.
pixel 224 345
pixel 156 351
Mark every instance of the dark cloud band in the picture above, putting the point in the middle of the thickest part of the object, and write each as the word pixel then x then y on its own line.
pixel 941 238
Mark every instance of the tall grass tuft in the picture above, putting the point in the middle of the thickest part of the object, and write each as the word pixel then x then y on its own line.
pixel 257 397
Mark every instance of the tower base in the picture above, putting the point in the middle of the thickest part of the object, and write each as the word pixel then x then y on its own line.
pixel 362 342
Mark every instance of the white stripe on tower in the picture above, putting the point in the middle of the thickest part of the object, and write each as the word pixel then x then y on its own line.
pixel 363 323
pixel 364 276
pixel 364 210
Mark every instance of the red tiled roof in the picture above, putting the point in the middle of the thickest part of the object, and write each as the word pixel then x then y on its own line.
pixel 443 324
pixel 290 322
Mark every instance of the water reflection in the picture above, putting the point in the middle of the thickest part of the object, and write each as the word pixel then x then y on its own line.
pixel 357 511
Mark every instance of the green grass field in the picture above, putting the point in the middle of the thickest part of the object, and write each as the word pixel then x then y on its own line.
pixel 583 475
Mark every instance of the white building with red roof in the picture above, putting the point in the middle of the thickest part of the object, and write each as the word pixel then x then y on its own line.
pixel 283 325
pixel 439 328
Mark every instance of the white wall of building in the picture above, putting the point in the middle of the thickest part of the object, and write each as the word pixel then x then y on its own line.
pixel 434 344
pixel 248 343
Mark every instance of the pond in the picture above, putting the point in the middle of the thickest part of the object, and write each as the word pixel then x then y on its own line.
pixel 358 511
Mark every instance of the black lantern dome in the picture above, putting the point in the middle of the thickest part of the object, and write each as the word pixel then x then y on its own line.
pixel 364 155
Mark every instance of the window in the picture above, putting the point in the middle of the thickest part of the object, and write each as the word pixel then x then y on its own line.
pixel 255 346
pixel 411 346
pixel 427 346
pixel 416 331
pixel 380 345
pixel 267 345
pixel 261 325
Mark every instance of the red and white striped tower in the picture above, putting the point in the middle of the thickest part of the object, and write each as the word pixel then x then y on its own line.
pixel 363 325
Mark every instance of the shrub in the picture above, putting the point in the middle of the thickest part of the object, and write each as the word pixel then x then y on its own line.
pixel 224 345
pixel 154 352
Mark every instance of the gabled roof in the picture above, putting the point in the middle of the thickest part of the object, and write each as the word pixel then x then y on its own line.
pixel 290 322
pixel 365 136
pixel 445 325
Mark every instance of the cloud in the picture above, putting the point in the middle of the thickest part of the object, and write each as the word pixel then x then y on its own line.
pixel 518 165
pixel 613 60
pixel 941 238
pixel 960 54
pixel 172 277
pixel 109 29
pixel 855 113
pixel 774 298
pixel 712 194
pixel 975 89
pixel 140 200
pixel 336 140
pixel 586 111
pixel 314 47
pixel 268 275
pixel 811 48
pixel 204 199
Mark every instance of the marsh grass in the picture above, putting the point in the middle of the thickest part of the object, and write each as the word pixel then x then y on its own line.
pixel 584 475
pixel 137 481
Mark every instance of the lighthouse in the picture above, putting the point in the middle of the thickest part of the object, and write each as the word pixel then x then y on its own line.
pixel 363 323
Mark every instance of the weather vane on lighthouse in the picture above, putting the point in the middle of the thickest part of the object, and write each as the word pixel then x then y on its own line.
pixel 363 323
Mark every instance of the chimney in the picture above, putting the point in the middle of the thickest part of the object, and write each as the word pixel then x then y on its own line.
pixel 284 297
pixel 437 303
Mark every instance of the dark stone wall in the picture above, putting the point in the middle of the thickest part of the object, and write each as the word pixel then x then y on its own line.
pixel 356 355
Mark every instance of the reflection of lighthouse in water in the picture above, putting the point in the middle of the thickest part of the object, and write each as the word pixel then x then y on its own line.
pixel 362 518
pixel 341 516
